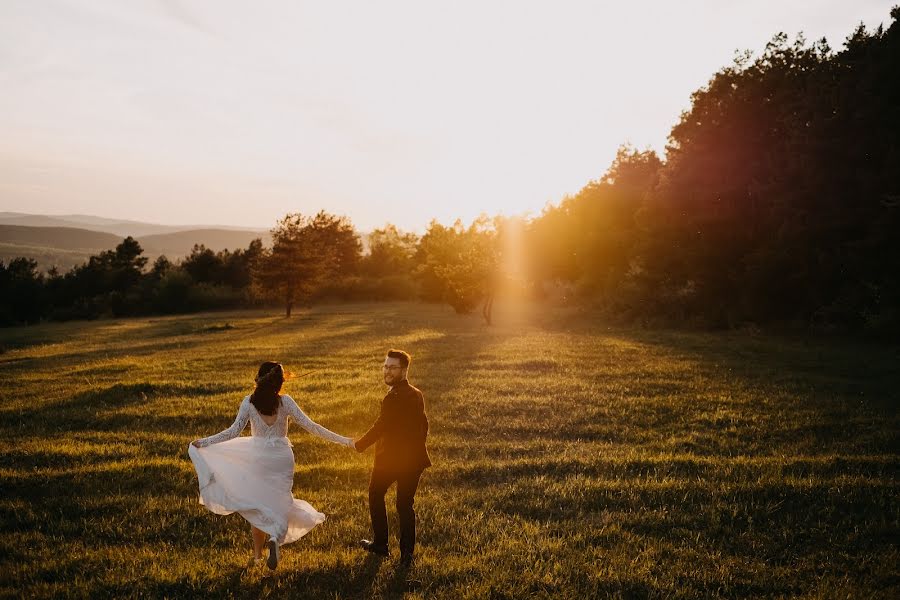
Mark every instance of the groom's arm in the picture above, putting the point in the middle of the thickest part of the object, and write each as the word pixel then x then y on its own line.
pixel 374 432
pixel 421 407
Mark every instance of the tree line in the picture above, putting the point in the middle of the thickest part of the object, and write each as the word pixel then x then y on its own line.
pixel 778 201
pixel 312 258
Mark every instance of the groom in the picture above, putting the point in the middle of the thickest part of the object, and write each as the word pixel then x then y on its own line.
pixel 400 455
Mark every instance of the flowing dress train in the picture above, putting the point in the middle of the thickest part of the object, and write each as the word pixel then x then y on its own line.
pixel 254 475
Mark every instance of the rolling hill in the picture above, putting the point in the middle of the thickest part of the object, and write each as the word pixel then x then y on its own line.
pixel 100 224
pixel 62 238
pixel 119 227
pixel 65 247
pixel 63 260
pixel 178 244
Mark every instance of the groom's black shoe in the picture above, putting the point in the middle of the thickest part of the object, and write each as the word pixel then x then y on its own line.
pixel 406 560
pixel 369 546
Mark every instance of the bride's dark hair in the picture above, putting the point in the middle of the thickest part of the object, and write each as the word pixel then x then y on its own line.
pixel 267 393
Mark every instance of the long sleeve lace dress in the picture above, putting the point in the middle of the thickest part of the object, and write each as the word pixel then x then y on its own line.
pixel 254 475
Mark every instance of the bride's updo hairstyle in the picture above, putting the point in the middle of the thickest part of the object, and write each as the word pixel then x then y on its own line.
pixel 267 393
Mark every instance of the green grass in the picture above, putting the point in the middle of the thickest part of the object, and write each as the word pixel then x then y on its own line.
pixel 571 460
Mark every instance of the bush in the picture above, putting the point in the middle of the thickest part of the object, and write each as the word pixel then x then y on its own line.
pixel 173 291
pixel 205 296
pixel 81 308
pixel 364 289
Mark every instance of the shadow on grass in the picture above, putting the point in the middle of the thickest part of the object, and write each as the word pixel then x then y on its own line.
pixel 684 470
pixel 342 580
pixel 65 360
pixel 777 523
pixel 866 374
pixel 326 334
pixel 90 410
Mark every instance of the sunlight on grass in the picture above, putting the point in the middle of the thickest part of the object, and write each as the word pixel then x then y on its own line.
pixel 571 460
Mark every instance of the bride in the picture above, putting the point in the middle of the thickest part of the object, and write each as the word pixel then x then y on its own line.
pixel 254 475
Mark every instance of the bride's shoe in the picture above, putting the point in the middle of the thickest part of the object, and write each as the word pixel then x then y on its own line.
pixel 274 552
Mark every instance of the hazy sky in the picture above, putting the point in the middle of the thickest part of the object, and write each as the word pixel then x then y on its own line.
pixel 235 113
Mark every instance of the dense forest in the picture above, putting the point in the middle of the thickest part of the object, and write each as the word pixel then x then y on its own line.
pixel 777 202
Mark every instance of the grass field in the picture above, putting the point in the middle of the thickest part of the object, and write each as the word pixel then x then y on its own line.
pixel 571 460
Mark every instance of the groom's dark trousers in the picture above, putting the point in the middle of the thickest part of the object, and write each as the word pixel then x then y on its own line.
pixel 400 455
pixel 406 492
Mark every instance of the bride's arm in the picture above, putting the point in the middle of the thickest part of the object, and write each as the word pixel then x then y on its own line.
pixel 311 426
pixel 235 430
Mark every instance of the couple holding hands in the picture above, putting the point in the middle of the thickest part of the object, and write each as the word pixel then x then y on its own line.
pixel 254 475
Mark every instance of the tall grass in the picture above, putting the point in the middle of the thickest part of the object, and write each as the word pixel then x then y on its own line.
pixel 571 460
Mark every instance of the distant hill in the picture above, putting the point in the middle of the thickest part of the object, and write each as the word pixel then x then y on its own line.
pixel 66 247
pixel 63 238
pixel 118 227
pixel 63 260
pixel 176 245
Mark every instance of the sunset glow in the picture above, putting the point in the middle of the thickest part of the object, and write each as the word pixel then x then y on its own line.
pixel 212 112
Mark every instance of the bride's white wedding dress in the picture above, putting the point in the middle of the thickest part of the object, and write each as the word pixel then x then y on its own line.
pixel 254 475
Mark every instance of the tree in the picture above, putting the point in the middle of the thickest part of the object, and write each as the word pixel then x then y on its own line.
pixel 771 205
pixel 458 264
pixel 107 282
pixel 204 265
pixel 21 292
pixel 237 266
pixel 391 252
pixel 161 266
pixel 305 251
pixel 590 237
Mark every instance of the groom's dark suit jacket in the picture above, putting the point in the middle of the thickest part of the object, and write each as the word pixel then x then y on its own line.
pixel 399 432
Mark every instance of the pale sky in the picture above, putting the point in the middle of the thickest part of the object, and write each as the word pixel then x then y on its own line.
pixel 236 113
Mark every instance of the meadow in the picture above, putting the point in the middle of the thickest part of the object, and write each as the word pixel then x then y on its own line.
pixel 571 459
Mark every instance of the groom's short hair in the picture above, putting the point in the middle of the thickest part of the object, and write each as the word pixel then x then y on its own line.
pixel 404 357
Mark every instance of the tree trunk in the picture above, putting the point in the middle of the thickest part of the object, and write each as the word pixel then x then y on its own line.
pixel 289 305
pixel 487 309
